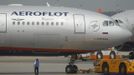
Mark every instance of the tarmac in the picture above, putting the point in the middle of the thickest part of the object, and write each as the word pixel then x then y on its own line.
pixel 14 65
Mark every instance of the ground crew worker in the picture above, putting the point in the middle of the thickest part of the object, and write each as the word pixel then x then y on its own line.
pixel 36 66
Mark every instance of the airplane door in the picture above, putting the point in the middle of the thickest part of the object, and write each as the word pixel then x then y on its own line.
pixel 3 23
pixel 79 24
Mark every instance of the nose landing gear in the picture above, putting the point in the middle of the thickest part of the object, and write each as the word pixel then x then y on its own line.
pixel 71 68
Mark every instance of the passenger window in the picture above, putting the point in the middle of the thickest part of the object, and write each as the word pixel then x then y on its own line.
pixel 28 23
pixel 18 23
pixel 52 23
pixel 47 23
pixel 57 23
pixel 23 23
pixel 13 22
pixel 62 23
pixel 37 23
pixel 32 23
pixel 42 23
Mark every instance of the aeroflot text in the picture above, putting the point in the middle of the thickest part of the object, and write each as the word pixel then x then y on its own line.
pixel 38 13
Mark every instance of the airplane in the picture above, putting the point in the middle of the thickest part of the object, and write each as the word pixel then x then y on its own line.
pixel 126 21
pixel 40 30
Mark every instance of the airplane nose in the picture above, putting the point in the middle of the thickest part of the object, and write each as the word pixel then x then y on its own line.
pixel 121 36
pixel 125 35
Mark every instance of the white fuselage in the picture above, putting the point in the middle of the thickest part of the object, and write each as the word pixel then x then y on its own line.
pixel 126 21
pixel 57 28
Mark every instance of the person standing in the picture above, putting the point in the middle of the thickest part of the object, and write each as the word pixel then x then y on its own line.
pixel 36 66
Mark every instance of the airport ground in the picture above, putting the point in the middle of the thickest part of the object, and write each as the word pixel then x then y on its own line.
pixel 48 65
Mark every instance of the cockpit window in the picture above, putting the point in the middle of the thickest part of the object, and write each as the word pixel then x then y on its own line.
pixel 108 23
pixel 118 21
pixel 111 23
pixel 105 23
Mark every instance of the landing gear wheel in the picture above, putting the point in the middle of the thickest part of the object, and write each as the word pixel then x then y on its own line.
pixel 131 55
pixel 71 69
pixel 99 55
pixel 119 48
pixel 112 55
pixel 122 69
pixel 105 69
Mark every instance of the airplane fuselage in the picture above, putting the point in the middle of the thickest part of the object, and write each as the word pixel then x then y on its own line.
pixel 55 28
